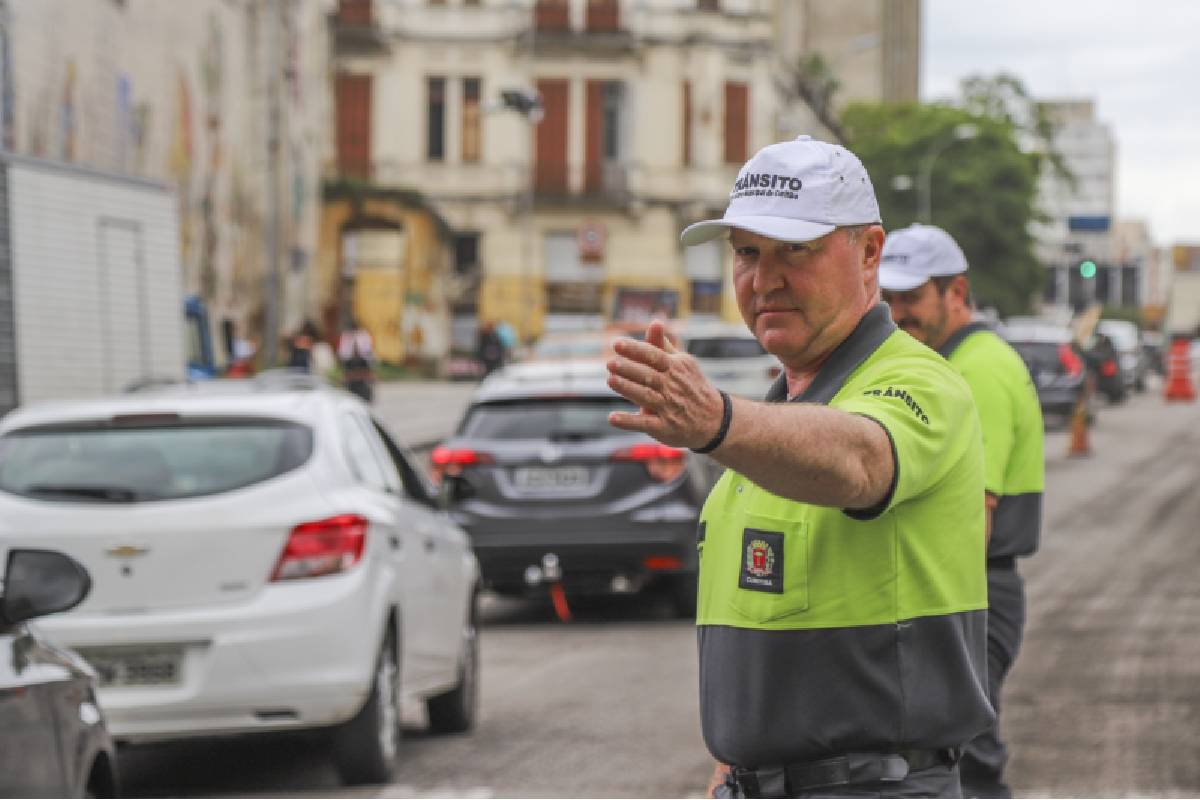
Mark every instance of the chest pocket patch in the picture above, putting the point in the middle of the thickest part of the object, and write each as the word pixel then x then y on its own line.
pixel 772 569
pixel 762 561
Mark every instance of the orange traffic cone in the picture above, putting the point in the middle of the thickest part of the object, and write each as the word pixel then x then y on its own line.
pixel 1179 373
pixel 1079 447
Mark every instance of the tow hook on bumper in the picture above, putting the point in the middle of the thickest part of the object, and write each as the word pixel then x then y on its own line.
pixel 549 572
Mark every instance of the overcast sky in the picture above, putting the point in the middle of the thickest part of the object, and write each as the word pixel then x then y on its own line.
pixel 1138 59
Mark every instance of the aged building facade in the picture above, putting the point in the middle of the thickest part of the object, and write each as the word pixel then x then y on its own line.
pixel 568 214
pixel 183 93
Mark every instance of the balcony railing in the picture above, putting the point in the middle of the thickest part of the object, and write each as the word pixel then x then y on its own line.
pixel 603 29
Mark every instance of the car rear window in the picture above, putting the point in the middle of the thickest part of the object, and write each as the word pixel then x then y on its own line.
pixel 103 462
pixel 725 347
pixel 1039 355
pixel 557 420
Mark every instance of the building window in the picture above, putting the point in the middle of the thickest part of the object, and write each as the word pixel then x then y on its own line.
pixel 354 12
pixel 604 137
pixel 736 122
pixel 708 5
pixel 467 271
pixel 353 101
pixel 551 15
pixel 466 253
pixel 603 16
pixel 435 148
pixel 471 119
pixel 687 124
pixel 550 138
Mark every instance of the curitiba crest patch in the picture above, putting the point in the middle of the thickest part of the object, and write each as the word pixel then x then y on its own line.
pixel 762 561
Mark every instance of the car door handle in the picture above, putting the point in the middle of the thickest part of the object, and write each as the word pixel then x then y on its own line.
pixel 430 544
pixel 396 542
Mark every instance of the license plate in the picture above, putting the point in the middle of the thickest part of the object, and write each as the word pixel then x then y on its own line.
pixel 160 665
pixel 551 478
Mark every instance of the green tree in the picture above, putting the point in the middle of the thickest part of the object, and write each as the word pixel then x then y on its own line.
pixel 983 189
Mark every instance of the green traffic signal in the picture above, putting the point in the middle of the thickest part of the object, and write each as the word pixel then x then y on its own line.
pixel 1087 268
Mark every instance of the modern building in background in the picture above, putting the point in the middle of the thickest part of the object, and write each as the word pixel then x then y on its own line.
pixel 1080 228
pixel 566 213
pixel 1134 250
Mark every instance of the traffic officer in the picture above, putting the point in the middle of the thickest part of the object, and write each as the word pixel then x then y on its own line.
pixel 841 610
pixel 923 275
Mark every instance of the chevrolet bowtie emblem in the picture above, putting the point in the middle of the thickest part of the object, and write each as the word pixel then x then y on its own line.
pixel 127 551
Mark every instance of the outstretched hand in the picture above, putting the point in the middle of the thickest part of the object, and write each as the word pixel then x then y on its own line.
pixel 677 405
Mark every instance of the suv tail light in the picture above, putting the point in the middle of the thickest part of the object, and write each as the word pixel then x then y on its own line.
pixel 324 547
pixel 663 463
pixel 774 371
pixel 452 460
pixel 1070 361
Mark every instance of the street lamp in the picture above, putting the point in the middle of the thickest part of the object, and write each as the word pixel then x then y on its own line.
pixel 527 103
pixel 962 132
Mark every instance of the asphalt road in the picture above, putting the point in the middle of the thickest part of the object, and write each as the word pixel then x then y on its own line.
pixel 1103 702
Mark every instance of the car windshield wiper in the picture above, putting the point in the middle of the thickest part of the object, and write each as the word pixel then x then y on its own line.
pixel 572 436
pixel 111 494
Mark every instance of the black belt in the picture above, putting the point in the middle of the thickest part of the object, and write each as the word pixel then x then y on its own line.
pixel 1002 562
pixel 851 768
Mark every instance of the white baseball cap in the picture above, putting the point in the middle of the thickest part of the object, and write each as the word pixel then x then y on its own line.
pixel 917 253
pixel 795 191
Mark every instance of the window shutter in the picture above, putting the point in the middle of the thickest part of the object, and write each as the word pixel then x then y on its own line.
pixel 736 122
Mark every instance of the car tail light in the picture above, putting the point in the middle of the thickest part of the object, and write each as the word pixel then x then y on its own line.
pixel 663 463
pixel 324 547
pixel 774 371
pixel 1108 368
pixel 453 460
pixel 662 563
pixel 1070 361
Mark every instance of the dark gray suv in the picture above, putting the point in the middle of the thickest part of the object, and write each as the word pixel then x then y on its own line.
pixel 540 481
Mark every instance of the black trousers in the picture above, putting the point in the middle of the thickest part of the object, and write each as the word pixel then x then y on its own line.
pixel 984 758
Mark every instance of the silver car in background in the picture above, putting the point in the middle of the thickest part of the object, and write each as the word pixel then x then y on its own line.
pixel 730 356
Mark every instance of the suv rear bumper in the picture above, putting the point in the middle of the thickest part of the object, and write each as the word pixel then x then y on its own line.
pixel 589 561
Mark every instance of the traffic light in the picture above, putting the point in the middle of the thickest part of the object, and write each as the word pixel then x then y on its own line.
pixel 1087 268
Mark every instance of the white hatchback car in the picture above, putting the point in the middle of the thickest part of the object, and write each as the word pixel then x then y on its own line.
pixel 264 556
pixel 730 357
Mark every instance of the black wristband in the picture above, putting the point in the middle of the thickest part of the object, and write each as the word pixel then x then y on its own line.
pixel 726 418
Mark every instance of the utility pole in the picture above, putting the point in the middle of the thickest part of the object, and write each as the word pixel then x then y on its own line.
pixel 271 334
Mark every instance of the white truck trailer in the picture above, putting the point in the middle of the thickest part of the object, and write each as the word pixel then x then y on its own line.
pixel 91 285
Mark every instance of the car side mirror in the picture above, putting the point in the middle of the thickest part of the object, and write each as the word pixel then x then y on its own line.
pixel 41 582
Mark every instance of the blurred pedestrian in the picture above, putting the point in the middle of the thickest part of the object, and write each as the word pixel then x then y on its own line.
pixel 300 347
pixel 842 597
pixel 242 364
pixel 508 339
pixel 489 349
pixel 924 279
pixel 356 352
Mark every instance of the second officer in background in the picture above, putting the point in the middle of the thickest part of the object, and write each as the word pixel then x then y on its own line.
pixel 923 278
